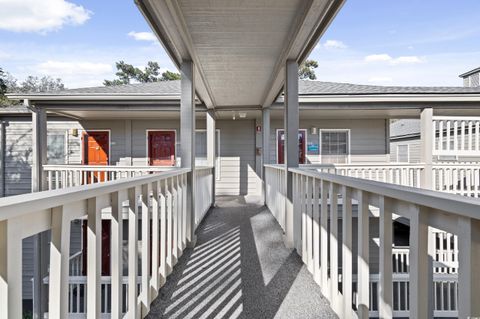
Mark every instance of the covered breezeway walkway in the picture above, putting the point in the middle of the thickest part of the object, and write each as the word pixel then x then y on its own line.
pixel 240 268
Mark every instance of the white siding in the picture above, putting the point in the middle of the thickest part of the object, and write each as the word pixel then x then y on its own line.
pixel 413 149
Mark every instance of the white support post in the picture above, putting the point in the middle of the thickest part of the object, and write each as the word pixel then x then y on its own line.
pixel 187 142
pixel 39 149
pixel 427 140
pixel 10 271
pixel 385 286
pixel 363 256
pixel 468 266
pixel 293 220
pixel 265 147
pixel 94 258
pixel 132 252
pixel 59 263
pixel 419 273
pixel 39 183
pixel 347 267
pixel 146 191
pixel 117 253
pixel 211 148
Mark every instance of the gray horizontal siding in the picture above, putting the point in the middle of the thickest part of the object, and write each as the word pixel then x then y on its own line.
pixel 367 138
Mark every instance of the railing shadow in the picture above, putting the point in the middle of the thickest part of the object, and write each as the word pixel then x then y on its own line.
pixel 239 268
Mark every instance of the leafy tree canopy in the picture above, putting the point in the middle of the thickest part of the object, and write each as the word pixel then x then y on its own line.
pixel 9 84
pixel 127 73
pixel 306 70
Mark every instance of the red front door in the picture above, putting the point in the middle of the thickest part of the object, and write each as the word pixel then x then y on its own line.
pixel 281 146
pixel 161 148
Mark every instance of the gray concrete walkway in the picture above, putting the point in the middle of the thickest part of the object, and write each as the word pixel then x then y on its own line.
pixel 240 269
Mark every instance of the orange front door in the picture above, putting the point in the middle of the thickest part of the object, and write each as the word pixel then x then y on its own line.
pixel 161 148
pixel 96 152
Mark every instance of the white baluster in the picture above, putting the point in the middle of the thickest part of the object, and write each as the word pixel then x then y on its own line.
pixel 94 258
pixel 363 283
pixel 385 284
pixel 146 262
pixel 132 251
pixel 419 272
pixel 347 246
pixel 59 264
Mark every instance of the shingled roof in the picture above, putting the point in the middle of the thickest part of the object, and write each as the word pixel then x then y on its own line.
pixel 172 88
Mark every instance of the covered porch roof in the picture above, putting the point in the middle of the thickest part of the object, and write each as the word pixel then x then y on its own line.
pixel 239 48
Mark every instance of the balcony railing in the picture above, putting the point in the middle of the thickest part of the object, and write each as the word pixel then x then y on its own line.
pixel 156 202
pixel 317 200
pixel 457 136
pixel 69 175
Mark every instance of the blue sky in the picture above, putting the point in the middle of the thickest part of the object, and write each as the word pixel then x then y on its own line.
pixel 408 42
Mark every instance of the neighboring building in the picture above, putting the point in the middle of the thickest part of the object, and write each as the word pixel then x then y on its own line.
pixel 471 78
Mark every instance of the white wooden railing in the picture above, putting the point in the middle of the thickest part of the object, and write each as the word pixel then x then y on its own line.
pixel 68 175
pixel 399 174
pixel 275 191
pixel 319 242
pixel 457 136
pixel 203 192
pixel 457 178
pixel 159 198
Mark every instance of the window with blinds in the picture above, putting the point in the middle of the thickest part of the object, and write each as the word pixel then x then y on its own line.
pixel 402 153
pixel 335 146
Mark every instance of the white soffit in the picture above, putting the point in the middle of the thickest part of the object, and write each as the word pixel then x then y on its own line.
pixel 239 48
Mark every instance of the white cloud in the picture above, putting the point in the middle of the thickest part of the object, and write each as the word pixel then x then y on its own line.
pixel 380 79
pixel 61 68
pixel 378 58
pixel 407 60
pixel 334 44
pixel 143 36
pixel 40 16
pixel 393 61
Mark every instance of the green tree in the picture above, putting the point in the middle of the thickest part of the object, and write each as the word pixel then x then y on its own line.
pixel 9 84
pixel 306 70
pixel 127 73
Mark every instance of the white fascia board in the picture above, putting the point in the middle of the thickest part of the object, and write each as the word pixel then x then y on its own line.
pixel 388 98
pixel 94 97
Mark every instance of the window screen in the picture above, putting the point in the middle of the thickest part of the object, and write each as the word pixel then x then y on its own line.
pixel 334 146
pixel 56 148
pixel 402 153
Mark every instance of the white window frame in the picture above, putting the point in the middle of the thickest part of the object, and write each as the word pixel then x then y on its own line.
pixel 218 159
pixel 349 146
pixel 408 152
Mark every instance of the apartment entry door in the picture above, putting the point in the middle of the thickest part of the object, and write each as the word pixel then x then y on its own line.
pixel 161 148
pixel 96 151
pixel 281 146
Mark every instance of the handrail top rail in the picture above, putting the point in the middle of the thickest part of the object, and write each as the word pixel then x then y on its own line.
pixel 454 204
pixel 456 118
pixel 16 206
pixel 53 167
pixel 353 165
